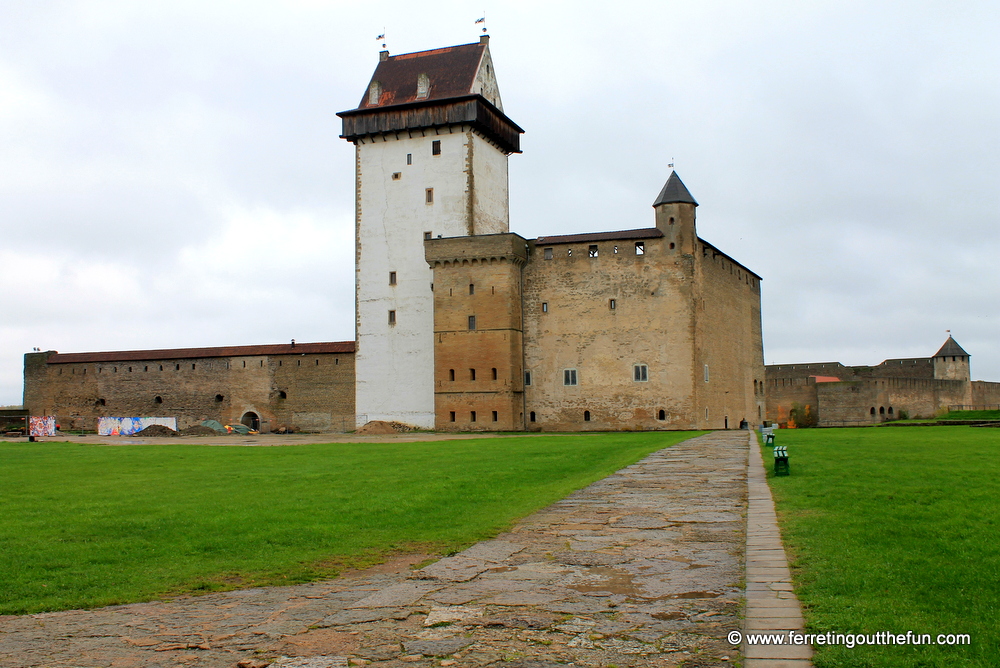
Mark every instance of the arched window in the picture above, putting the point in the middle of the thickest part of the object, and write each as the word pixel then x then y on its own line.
pixel 586 416
pixel 873 410
pixel 881 410
pixel 662 415
pixel 531 416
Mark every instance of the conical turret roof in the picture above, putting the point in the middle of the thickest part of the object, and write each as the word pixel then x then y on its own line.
pixel 950 348
pixel 674 191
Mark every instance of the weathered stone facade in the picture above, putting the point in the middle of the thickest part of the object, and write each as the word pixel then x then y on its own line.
pixel 302 387
pixel 845 395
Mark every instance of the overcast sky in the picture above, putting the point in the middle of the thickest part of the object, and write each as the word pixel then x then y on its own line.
pixel 171 173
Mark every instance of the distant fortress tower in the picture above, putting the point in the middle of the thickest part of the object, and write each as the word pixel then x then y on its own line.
pixel 431 145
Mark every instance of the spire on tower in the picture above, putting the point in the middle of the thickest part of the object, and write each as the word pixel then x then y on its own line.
pixel 674 191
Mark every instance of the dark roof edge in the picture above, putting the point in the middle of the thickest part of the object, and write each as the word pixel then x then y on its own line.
pixel 336 347
pixel 428 103
pixel 640 233
pixel 730 258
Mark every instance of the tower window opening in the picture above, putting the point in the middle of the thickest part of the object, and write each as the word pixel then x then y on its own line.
pixel 672 245
pixel 569 252
pixel 472 288
pixel 282 394
pixel 392 317
pixel 219 398
pixel 662 415
pixel 592 251
pixel 472 322
pixel 706 373
pixel 611 304
pixel 547 253
pixel 640 248
pixel 192 367
pixel 569 377
pixel 397 176
pixel 429 195
pixel 145 368
pixel 494 373
pixel 157 400
pixel 436 147
pixel 409 158
pixel 616 250
pixel 392 278
pixel 177 367
pixel 640 373
pixel 670 221
pixel 545 307
pixel 527 378
pixel 531 416
pixel 427 236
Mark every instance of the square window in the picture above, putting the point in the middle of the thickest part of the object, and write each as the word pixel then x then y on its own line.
pixel 548 253
pixel 640 248
pixel 397 176
pixel 429 195
pixel 392 317
pixel 592 251
pixel 392 278
pixel 640 373
pixel 427 236
pixel 436 147
pixel 472 322
pixel 569 377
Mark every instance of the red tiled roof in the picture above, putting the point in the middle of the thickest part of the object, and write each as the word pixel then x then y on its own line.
pixel 826 379
pixel 451 72
pixel 645 233
pixel 196 353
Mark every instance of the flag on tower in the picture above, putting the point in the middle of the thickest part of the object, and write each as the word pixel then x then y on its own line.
pixel 482 20
pixel 380 37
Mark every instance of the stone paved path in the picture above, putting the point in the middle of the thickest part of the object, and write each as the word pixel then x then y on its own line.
pixel 643 568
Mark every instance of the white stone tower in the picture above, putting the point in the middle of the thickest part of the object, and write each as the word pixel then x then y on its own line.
pixel 431 145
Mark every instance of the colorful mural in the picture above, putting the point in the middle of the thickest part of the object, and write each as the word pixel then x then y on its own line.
pixel 41 425
pixel 126 426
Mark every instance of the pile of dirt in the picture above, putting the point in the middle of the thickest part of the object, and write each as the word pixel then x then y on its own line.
pixel 198 430
pixel 379 427
pixel 156 430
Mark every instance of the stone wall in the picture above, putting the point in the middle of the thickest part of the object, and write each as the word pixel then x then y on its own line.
pixel 304 391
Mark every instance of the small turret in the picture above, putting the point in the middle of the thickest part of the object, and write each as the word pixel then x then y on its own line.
pixel 951 362
pixel 675 215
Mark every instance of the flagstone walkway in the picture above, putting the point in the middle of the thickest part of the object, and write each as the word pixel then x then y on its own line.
pixel 643 568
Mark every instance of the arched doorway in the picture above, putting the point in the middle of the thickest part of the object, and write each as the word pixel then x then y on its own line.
pixel 251 420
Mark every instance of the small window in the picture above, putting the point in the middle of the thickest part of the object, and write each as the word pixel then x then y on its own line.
pixel 177 367
pixel 429 195
pixel 282 394
pixel 102 402
pixel 451 416
pixel 157 400
pixel 496 416
pixel 662 415
pixel 545 307
pixel 161 367
pixel 427 236
pixel 423 86
pixel 706 373
pixel 436 147
pixel 527 378
pixel 392 317
pixel 531 416
pixel 374 93
pixel 397 176
pixel 592 251
pixel 671 245
pixel 494 373
pixel 616 250
pixel 409 158
pixel 472 322
pixel 145 368
pixel 569 252
pixel 472 374
pixel 472 416
pixel 472 289
pixel 219 398
pixel 640 248
pixel 192 367
pixel 392 278
pixel 569 377
pixel 548 253
pixel 586 416
pixel 611 304
pixel 881 410
pixel 670 221
pixel 872 411
pixel 451 374
pixel 640 373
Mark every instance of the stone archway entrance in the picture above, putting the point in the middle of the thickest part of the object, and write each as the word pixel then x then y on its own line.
pixel 251 420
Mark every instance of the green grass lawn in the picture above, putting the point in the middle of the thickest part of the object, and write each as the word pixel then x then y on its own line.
pixel 895 530
pixel 86 526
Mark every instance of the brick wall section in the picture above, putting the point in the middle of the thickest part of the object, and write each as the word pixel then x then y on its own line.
pixel 319 390
pixel 492 265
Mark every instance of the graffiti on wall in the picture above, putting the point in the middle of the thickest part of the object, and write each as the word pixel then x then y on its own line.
pixel 44 425
pixel 126 426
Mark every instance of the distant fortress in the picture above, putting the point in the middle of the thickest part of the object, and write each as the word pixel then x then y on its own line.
pixel 838 395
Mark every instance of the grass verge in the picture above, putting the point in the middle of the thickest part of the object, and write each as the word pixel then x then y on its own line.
pixel 86 526
pixel 895 530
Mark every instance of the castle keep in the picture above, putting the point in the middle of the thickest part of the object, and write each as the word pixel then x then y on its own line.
pixel 461 324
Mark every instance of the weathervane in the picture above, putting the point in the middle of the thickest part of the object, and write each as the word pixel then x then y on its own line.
pixel 671 165
pixel 381 38
pixel 483 21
